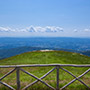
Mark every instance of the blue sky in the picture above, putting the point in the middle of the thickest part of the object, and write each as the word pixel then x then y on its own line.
pixel 73 16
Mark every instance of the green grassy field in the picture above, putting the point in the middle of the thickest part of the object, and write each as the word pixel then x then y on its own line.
pixel 50 57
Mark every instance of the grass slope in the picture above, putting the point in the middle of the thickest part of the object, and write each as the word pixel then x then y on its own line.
pixel 50 57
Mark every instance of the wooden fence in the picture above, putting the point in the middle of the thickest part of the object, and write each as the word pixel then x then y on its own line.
pixel 17 68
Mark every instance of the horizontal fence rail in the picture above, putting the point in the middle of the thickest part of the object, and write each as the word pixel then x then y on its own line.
pixel 18 68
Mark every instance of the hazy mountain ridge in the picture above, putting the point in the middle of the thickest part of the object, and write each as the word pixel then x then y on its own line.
pixel 14 46
pixel 5 53
pixel 87 53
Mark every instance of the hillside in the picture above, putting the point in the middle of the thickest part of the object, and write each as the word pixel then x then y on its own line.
pixel 37 57
pixel 50 57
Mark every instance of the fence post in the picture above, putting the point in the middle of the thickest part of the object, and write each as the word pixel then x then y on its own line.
pixel 57 88
pixel 18 78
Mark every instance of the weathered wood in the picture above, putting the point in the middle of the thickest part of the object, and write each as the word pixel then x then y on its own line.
pixel 76 78
pixel 44 65
pixel 57 88
pixel 18 78
pixel 5 84
pixel 57 66
pixel 37 79
pixel 7 74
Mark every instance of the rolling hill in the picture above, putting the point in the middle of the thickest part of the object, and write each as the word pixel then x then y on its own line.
pixel 44 57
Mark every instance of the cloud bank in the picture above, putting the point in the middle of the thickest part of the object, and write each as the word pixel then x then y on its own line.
pixel 33 29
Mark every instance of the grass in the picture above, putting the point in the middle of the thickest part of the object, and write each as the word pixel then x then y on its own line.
pixel 51 57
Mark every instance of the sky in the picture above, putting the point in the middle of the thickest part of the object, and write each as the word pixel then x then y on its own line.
pixel 49 18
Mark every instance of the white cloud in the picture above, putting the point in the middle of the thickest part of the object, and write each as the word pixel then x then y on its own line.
pixel 53 29
pixel 87 30
pixel 33 29
pixel 30 29
pixel 42 29
pixel 75 30
pixel 6 29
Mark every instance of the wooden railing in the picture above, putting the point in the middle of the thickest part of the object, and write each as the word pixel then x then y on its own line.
pixel 56 66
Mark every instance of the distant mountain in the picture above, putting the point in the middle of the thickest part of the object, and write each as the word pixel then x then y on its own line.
pixel 5 53
pixel 87 53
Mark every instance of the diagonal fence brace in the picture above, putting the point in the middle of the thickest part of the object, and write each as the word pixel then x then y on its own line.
pixel 5 84
pixel 37 79
pixel 7 74
pixel 40 78
pixel 76 78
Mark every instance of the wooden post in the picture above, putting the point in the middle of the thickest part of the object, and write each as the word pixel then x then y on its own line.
pixel 57 88
pixel 18 78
